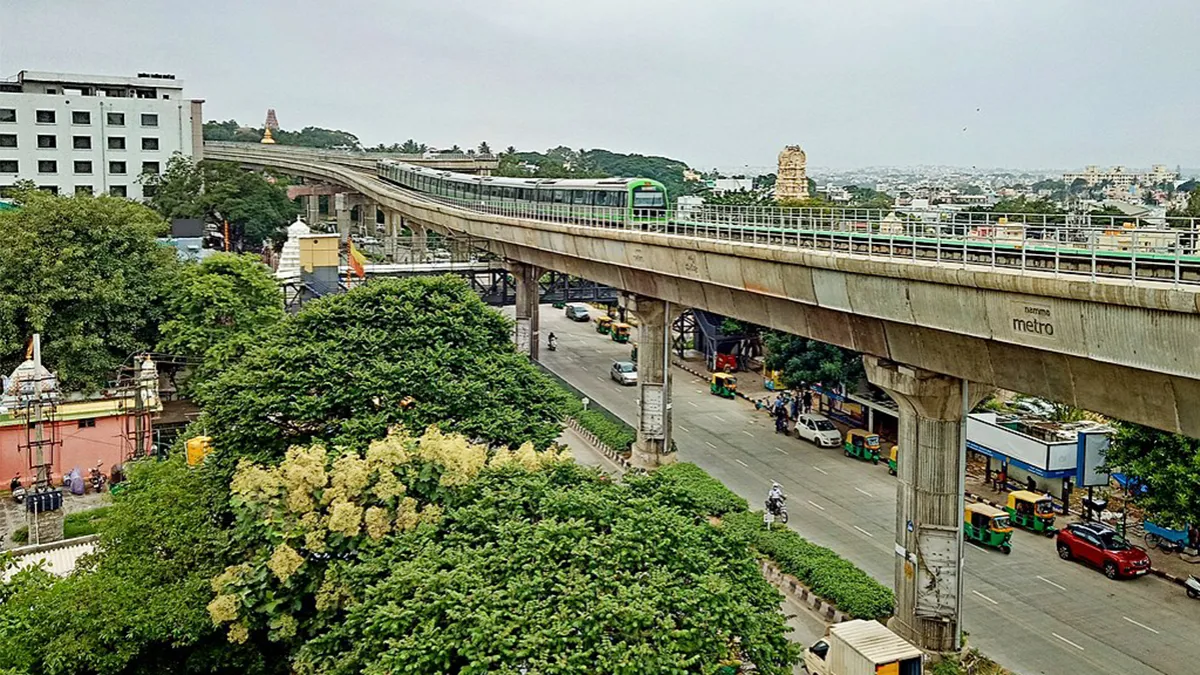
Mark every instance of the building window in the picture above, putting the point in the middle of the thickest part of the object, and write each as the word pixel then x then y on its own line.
pixel 45 117
pixel 116 167
pixel 8 140
pixel 91 421
pixel 84 190
pixel 149 143
pixel 47 166
pixel 8 115
pixel 9 166
pixel 116 142
pixel 149 190
pixel 49 189
pixel 47 141
pixel 82 142
pixel 81 117
pixel 83 167
pixel 149 119
pixel 150 167
pixel 117 191
pixel 116 119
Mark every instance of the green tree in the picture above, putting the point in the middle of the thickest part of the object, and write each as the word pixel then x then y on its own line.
pixel 455 150
pixel 138 607
pixel 411 147
pixel 218 308
pixel 86 273
pixel 1167 464
pixel 436 555
pixel 256 206
pixel 484 148
pixel 808 361
pixel 417 351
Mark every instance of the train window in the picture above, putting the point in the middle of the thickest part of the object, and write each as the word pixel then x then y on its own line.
pixel 621 199
pixel 600 198
pixel 582 197
pixel 510 193
pixel 560 197
pixel 545 196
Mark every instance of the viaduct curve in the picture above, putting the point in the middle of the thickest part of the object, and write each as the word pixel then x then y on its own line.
pixel 938 338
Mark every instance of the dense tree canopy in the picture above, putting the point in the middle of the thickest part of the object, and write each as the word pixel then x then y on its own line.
pixel 809 361
pixel 218 308
pixel 419 351
pixel 85 272
pixel 311 137
pixel 1167 464
pixel 256 207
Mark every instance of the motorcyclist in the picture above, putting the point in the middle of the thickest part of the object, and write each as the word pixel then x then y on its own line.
pixel 775 498
pixel 553 341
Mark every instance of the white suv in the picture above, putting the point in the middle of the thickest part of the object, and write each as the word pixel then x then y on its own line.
pixel 819 430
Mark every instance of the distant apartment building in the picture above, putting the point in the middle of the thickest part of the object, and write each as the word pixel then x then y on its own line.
pixel 73 134
pixel 1120 178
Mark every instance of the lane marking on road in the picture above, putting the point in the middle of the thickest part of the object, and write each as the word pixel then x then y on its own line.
pixel 1140 624
pixel 820 469
pixel 864 492
pixel 817 506
pixel 692 404
pixel 741 462
pixel 585 368
pixel 598 351
pixel 719 418
pixel 985 597
pixel 683 429
pixel 747 433
pixel 1066 640
pixel 864 531
pixel 710 445
pixel 781 451
pixel 1061 588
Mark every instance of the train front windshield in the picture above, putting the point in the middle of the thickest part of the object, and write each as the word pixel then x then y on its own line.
pixel 649 198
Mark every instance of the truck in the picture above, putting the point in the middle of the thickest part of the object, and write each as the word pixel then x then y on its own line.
pixel 861 647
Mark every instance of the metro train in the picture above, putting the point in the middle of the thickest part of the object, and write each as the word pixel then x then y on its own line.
pixel 616 199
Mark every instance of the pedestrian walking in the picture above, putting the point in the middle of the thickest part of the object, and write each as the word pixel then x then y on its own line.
pixel 808 401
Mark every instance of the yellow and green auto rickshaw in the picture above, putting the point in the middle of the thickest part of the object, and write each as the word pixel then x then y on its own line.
pixel 989 526
pixel 604 325
pixel 894 460
pixel 1032 511
pixel 862 444
pixel 723 385
pixel 620 332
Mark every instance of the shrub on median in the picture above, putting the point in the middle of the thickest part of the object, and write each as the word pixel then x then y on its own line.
pixel 688 486
pixel 825 572
pixel 616 435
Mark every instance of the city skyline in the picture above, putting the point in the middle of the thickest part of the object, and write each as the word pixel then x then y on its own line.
pixel 916 85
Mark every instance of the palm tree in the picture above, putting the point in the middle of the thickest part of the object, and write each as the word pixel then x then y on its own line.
pixel 510 150
pixel 455 149
pixel 484 148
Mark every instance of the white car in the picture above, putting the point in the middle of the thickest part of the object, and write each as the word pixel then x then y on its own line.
pixel 817 429
pixel 624 372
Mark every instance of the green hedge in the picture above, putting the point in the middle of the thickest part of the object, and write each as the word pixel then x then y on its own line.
pixel 828 575
pixel 688 486
pixel 606 426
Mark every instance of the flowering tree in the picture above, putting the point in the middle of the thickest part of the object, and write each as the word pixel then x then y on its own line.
pixel 431 554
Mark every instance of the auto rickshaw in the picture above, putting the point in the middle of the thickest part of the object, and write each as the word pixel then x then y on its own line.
pixel 604 325
pixel 894 460
pixel 1032 511
pixel 620 331
pixel 723 385
pixel 862 444
pixel 773 380
pixel 989 526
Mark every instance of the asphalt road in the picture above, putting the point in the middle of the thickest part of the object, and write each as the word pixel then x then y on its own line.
pixel 1029 610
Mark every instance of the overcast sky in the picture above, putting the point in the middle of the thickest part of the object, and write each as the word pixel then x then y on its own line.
pixel 1013 83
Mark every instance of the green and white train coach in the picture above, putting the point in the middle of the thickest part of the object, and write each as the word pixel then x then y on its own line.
pixel 600 199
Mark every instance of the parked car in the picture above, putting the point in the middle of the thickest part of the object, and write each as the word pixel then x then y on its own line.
pixel 1101 547
pixel 624 372
pixel 817 429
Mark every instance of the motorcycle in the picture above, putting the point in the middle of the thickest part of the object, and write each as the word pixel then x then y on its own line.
pixel 781 424
pixel 1192 586
pixel 553 343
pixel 96 480
pixel 17 490
pixel 775 511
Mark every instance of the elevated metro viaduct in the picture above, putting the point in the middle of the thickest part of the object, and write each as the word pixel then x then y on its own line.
pixel 937 337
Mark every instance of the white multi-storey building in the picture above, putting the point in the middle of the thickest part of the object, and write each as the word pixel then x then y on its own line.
pixel 89 133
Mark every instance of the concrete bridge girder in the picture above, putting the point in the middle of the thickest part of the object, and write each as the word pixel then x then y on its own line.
pixel 956 321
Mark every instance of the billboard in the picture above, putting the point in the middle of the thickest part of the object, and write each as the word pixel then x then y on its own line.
pixel 1091 449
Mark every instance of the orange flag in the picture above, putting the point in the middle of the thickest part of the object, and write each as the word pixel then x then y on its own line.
pixel 357 260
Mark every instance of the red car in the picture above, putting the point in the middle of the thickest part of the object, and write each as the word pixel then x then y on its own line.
pixel 1102 548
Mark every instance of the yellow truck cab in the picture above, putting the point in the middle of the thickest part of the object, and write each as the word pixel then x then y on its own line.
pixel 862 648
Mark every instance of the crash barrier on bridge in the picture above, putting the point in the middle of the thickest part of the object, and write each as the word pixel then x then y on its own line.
pixel 601 424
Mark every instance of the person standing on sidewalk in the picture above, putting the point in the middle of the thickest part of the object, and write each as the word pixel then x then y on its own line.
pixel 1000 481
pixel 808 401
